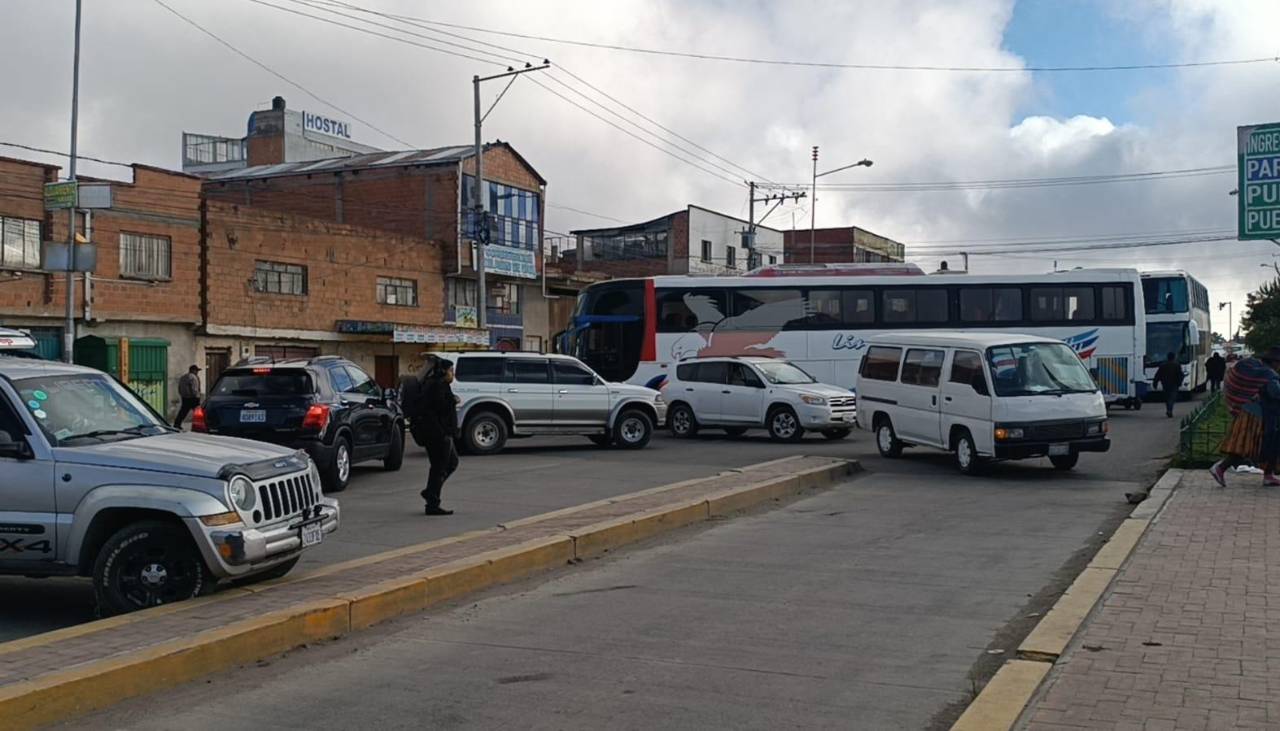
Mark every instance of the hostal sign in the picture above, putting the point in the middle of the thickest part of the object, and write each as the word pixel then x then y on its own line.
pixel 324 125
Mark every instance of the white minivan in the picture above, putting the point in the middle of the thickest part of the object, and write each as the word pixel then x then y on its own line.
pixel 983 396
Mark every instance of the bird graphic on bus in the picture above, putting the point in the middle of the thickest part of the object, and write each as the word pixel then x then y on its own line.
pixel 747 333
pixel 1085 343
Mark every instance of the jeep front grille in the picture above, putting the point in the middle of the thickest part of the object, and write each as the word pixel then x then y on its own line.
pixel 284 497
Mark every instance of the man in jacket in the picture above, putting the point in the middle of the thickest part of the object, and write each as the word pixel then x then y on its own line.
pixel 1216 369
pixel 433 416
pixel 189 392
pixel 1169 377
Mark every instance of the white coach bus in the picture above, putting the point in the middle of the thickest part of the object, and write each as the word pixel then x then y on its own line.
pixel 634 330
pixel 1177 310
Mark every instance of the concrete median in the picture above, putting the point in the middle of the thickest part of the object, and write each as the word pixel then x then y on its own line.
pixel 90 668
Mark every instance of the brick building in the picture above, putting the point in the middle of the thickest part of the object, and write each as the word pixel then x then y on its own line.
pixel 840 245
pixel 694 240
pixel 425 194
pixel 138 310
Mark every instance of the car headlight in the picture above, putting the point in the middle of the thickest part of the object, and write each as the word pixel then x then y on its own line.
pixel 657 398
pixel 241 492
pixel 1002 433
pixel 315 474
pixel 813 400
pixel 1097 429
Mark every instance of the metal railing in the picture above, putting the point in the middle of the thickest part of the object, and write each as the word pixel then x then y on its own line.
pixel 1202 432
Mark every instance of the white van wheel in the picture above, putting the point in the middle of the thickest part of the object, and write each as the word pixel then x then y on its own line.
pixel 967 458
pixel 887 440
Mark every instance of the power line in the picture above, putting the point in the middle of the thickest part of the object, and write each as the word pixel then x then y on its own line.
pixel 586 213
pixel 1011 183
pixel 1094 247
pixel 281 76
pixel 1069 239
pixel 63 154
pixel 978 245
pixel 853 66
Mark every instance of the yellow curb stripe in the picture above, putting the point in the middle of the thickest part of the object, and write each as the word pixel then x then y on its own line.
pixel 1122 542
pixel 1000 703
pixel 1052 635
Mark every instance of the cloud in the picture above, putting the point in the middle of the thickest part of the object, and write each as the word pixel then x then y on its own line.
pixel 147 76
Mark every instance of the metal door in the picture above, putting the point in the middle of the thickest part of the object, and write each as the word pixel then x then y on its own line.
pixel 529 391
pixel 742 398
pixel 28 496
pixel 966 399
pixel 580 399
pixel 920 416
pixel 149 372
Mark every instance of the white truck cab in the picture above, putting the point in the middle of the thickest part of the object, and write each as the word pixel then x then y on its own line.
pixel 983 396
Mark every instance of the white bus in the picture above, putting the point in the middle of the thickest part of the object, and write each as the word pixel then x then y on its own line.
pixel 1177 309
pixel 634 329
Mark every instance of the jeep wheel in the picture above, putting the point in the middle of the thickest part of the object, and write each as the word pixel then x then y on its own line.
pixel 145 565
pixel 485 433
pixel 684 425
pixel 784 425
pixel 337 475
pixel 633 430
pixel 395 451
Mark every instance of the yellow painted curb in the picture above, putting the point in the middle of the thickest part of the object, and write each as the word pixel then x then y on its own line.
pixel 99 684
pixel 1051 636
pixel 387 600
pixel 1122 542
pixel 1000 703
pixel 595 539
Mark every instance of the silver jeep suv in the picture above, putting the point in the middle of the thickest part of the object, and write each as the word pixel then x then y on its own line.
pixel 94 483
pixel 504 395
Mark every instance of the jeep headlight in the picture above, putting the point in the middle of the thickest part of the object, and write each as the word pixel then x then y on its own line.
pixel 315 474
pixel 240 490
pixel 813 400
pixel 657 398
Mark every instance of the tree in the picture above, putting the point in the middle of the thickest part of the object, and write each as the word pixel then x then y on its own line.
pixel 1216 339
pixel 1261 320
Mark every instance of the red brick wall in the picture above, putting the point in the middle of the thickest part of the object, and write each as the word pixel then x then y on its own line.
pixel 830 246
pixel 265 150
pixel 343 263
pixel 157 202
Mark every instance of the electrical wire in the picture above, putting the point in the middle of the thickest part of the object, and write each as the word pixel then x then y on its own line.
pixel 1010 183
pixel 853 66
pixel 281 76
pixel 79 156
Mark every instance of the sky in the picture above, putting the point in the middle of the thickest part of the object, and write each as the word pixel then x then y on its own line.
pixel 146 76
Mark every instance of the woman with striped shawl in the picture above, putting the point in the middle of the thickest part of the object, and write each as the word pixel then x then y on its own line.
pixel 1252 393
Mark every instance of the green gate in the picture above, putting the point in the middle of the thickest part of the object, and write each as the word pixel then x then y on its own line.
pixel 149 372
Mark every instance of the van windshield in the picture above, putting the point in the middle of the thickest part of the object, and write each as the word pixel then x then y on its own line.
pixel 1038 369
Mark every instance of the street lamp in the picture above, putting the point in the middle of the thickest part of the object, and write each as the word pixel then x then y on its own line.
pixel 1230 319
pixel 813 202
pixel 481 201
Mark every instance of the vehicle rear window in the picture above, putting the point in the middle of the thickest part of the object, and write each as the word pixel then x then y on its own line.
pixel 713 372
pixel 687 371
pixel 479 370
pixel 527 371
pixel 881 363
pixel 276 382
pixel 922 367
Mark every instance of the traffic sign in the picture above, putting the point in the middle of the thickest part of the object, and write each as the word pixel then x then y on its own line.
pixel 1258 163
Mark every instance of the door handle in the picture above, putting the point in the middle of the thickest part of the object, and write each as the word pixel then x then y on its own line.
pixel 564 392
pixel 513 390
pixel 690 390
pixel 933 400
pixel 947 399
pixel 726 392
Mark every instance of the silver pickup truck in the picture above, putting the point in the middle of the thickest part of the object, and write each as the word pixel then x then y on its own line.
pixel 94 483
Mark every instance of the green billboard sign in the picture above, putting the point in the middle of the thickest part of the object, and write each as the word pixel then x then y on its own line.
pixel 1258 168
pixel 58 196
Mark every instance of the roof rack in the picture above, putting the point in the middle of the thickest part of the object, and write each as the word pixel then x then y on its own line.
pixel 323 358
pixel 254 360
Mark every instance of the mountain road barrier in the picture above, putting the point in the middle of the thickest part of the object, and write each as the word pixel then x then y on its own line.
pixel 71 672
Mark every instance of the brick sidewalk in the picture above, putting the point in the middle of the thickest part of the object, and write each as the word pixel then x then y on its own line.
pixel 20 660
pixel 1188 636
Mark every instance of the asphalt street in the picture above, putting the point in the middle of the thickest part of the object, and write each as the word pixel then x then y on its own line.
pixel 872 605
pixel 382 510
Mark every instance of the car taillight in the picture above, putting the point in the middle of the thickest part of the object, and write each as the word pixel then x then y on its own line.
pixel 198 422
pixel 317 418
pixel 261 371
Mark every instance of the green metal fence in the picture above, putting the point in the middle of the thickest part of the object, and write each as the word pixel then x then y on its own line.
pixel 1202 432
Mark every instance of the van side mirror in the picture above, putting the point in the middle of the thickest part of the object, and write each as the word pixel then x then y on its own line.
pixel 13 449
pixel 979 385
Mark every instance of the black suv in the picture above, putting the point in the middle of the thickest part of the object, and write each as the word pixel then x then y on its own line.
pixel 326 405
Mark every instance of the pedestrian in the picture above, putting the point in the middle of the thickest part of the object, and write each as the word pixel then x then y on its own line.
pixel 433 417
pixel 1216 369
pixel 1252 395
pixel 1169 377
pixel 189 392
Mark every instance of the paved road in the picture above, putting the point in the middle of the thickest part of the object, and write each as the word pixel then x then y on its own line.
pixel 865 606
pixel 383 511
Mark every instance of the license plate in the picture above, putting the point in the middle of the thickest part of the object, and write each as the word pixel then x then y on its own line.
pixel 312 533
pixel 1059 450
pixel 253 416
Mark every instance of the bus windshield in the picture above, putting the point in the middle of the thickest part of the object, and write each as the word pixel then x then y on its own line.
pixel 1164 338
pixel 1038 369
pixel 784 374
pixel 1165 295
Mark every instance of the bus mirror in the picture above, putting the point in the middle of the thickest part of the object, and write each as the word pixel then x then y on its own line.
pixel 1193 334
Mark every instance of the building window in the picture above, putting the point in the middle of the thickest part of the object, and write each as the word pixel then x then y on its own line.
pixel 461 292
pixel 392 291
pixel 273 277
pixel 504 299
pixel 706 251
pixel 143 256
pixel 19 243
pixel 773 259
pixel 731 257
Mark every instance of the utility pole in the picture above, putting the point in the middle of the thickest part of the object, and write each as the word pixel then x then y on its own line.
pixel 480 201
pixel 752 200
pixel 813 205
pixel 1230 320
pixel 69 327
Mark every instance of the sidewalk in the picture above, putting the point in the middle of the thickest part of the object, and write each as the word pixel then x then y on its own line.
pixel 1188 636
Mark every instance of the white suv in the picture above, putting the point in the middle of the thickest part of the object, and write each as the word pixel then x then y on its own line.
pixel 737 394
pixel 507 395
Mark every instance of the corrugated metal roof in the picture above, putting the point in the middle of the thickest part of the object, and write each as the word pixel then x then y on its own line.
pixel 433 156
